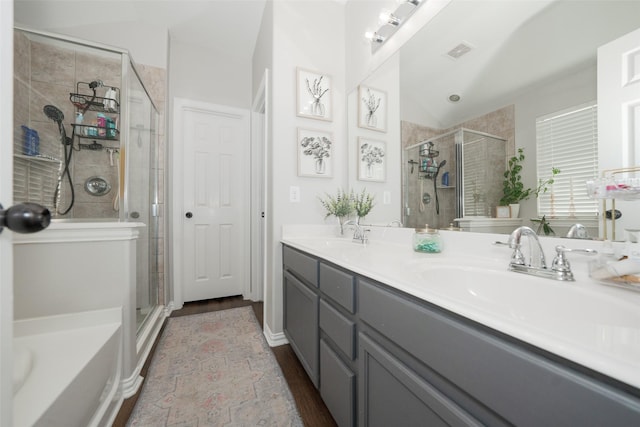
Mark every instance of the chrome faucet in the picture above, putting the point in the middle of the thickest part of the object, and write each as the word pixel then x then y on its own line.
pixel 515 238
pixel 359 232
pixel 537 265
pixel 578 231
pixel 395 222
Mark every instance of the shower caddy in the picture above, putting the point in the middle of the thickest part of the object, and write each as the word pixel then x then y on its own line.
pixel 100 104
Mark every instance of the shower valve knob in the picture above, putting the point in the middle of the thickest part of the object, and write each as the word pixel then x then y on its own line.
pixel 189 215
pixel 25 218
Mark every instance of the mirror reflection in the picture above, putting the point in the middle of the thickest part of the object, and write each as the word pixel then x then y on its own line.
pixel 491 68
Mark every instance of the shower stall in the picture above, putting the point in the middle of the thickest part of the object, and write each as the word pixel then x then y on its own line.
pixel 85 144
pixel 453 175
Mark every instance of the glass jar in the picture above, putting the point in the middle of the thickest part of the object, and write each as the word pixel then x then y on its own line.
pixel 427 240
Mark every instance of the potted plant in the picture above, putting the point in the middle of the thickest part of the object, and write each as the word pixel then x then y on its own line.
pixel 513 189
pixel 543 227
pixel 362 204
pixel 340 206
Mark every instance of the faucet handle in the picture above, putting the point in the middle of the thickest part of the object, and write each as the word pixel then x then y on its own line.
pixel 561 263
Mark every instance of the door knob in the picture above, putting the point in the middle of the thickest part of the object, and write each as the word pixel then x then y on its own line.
pixel 25 218
pixel 189 215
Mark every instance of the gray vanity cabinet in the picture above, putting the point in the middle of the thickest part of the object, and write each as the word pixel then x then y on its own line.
pixel 301 298
pixel 381 357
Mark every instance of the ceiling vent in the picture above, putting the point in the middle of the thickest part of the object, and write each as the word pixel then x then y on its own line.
pixel 461 49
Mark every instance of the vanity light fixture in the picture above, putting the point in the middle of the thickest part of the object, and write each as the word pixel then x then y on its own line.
pixel 387 17
pixel 391 21
pixel 374 37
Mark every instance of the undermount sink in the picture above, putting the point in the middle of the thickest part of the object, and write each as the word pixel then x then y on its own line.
pixel 562 308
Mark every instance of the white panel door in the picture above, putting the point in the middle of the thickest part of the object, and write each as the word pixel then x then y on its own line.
pixel 619 116
pixel 215 200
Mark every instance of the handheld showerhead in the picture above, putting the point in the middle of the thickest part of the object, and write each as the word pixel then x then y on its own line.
pixel 53 113
pixel 442 163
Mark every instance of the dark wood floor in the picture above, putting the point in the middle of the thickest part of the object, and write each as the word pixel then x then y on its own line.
pixel 312 409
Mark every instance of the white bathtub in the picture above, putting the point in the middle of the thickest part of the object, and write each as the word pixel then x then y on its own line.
pixel 67 369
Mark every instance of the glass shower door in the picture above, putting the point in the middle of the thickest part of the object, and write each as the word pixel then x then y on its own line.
pixel 141 191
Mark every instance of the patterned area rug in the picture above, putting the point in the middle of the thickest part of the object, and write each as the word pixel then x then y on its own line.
pixel 214 369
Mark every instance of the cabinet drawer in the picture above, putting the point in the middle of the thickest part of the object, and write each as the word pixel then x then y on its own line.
pixel 491 368
pixel 301 323
pixel 337 386
pixel 338 285
pixel 340 329
pixel 303 266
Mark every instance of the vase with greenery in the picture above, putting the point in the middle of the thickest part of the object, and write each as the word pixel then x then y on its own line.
pixel 341 206
pixel 513 189
pixel 362 203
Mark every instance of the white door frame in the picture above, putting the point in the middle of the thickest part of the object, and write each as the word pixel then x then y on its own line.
pixel 6 198
pixel 259 195
pixel 176 215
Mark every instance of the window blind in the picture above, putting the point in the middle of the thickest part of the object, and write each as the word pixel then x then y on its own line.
pixel 568 140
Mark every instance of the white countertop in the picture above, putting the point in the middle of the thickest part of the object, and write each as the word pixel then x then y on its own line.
pixel 594 325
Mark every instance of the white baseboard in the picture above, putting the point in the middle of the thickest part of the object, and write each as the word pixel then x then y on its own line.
pixel 131 385
pixel 144 342
pixel 274 340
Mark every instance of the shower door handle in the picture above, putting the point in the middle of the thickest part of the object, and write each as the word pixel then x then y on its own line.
pixel 189 215
pixel 25 218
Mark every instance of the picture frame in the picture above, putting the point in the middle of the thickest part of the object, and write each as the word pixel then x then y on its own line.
pixel 314 95
pixel 503 212
pixel 372 108
pixel 372 164
pixel 314 150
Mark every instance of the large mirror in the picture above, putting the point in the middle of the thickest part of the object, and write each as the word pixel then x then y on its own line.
pixel 490 68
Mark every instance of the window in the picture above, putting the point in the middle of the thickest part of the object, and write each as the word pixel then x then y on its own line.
pixel 568 140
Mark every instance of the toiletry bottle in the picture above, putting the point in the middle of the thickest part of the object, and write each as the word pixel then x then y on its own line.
pixel 102 125
pixel 445 179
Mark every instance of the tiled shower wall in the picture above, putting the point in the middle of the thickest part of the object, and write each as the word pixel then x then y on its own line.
pixel 499 123
pixel 46 74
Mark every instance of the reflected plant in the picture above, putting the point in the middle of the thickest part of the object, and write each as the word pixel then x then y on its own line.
pixel 362 203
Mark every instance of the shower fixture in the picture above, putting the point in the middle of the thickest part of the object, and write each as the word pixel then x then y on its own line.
pixel 54 113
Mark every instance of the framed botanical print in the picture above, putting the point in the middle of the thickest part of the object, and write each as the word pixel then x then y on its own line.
pixel 314 153
pixel 371 160
pixel 314 95
pixel 372 108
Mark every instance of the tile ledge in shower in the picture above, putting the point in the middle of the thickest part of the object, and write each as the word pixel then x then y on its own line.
pixel 82 231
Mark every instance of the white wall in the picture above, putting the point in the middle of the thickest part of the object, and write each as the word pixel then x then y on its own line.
pixel 146 42
pixel 206 75
pixel 308 35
